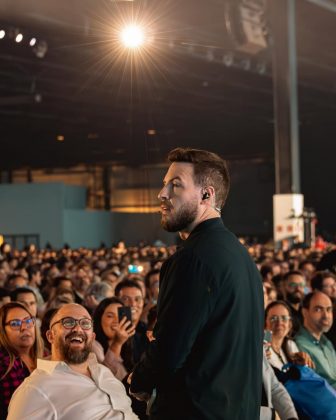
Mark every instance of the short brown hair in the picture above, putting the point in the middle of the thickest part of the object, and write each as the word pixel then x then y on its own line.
pixel 209 169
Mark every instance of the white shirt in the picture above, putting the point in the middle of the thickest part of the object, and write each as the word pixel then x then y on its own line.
pixel 279 360
pixel 54 391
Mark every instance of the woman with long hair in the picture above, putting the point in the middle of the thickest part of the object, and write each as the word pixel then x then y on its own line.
pixel 111 336
pixel 283 349
pixel 20 346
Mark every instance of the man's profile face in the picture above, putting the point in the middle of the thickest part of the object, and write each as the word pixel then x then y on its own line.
pixel 294 288
pixel 70 345
pixel 318 318
pixel 180 197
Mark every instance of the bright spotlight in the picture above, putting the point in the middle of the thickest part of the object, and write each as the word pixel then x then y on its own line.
pixel 32 42
pixel 2 34
pixel 18 38
pixel 132 36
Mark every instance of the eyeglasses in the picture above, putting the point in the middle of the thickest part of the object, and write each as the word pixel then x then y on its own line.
pixel 297 285
pixel 283 318
pixel 127 299
pixel 69 323
pixel 16 324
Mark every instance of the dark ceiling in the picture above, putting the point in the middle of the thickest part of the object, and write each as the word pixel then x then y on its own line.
pixel 103 99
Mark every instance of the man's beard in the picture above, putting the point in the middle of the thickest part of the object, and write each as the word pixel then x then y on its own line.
pixel 182 218
pixel 74 356
pixel 294 297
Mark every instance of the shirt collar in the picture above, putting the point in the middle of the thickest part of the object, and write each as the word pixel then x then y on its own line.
pixel 209 223
pixel 311 338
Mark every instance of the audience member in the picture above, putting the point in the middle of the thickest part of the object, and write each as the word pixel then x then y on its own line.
pixel 293 292
pixel 111 335
pixel 20 345
pixel 325 281
pixel 27 297
pixel 72 384
pixel 283 349
pixel 130 293
pixel 318 317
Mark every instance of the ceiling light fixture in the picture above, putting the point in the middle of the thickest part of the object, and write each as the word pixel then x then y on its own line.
pixel 18 38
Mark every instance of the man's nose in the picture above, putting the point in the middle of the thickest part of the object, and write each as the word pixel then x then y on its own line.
pixel 77 327
pixel 164 193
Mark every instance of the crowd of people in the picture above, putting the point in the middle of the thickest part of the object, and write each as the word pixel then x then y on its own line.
pixel 166 332
pixel 299 310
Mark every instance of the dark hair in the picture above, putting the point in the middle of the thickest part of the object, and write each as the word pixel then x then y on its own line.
pixel 149 275
pixel 316 281
pixel 304 262
pixel 307 299
pixel 209 169
pixel 293 273
pixel 32 270
pixel 265 269
pixel 97 316
pixel 4 292
pixel 126 283
pixel 58 280
pixel 21 290
pixel 48 315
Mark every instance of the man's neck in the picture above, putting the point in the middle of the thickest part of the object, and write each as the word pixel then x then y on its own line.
pixel 82 368
pixel 315 334
pixel 209 214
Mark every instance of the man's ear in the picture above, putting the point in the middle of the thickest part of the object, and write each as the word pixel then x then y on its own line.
pixel 50 336
pixel 93 336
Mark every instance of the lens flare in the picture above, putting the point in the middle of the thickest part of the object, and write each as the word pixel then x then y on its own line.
pixel 132 36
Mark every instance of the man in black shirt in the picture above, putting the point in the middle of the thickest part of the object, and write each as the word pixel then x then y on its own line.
pixel 293 287
pixel 206 359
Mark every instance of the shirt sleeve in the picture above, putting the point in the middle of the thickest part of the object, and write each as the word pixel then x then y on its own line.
pixel 185 304
pixel 110 360
pixel 292 347
pixel 30 403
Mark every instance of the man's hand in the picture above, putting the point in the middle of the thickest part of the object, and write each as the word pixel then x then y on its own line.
pixel 141 396
pixel 302 358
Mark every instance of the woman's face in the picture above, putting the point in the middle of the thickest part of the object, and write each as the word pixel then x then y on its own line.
pixel 110 320
pixel 278 321
pixel 20 337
